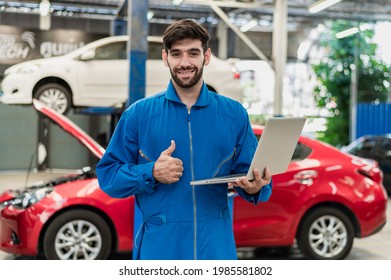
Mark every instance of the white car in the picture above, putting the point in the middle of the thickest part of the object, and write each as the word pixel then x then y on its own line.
pixel 97 74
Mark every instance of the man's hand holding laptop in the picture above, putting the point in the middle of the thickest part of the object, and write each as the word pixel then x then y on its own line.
pixel 253 186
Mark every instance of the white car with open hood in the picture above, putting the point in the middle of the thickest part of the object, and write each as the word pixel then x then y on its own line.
pixel 97 75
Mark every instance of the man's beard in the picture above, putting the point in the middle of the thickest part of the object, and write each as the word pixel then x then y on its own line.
pixel 189 83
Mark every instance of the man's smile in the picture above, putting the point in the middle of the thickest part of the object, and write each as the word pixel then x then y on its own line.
pixel 186 72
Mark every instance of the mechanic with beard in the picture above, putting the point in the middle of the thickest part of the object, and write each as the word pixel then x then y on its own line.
pixel 184 133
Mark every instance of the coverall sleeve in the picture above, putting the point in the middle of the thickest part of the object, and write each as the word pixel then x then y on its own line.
pixel 246 146
pixel 119 174
pixel 262 196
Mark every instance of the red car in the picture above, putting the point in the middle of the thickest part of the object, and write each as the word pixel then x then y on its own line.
pixel 324 200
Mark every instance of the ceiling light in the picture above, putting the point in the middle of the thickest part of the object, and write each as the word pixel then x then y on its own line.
pixel 321 5
pixel 347 32
pixel 150 15
pixel 177 2
pixel 44 8
pixel 248 25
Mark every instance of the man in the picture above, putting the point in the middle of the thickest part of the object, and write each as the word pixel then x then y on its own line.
pixel 185 133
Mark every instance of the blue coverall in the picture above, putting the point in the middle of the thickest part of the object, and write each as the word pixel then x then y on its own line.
pixel 213 138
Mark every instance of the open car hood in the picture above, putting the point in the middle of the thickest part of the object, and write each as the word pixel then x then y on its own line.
pixel 70 127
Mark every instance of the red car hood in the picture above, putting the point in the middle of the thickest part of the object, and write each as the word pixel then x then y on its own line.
pixel 70 127
pixel 7 195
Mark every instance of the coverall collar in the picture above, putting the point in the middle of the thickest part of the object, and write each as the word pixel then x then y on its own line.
pixel 203 99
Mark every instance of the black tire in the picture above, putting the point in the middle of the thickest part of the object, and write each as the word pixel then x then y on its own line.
pixel 77 235
pixel 326 234
pixel 55 96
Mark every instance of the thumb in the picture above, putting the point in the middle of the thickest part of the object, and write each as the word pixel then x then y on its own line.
pixel 170 149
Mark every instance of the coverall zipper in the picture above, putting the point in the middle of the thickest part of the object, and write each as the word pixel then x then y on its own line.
pixel 193 187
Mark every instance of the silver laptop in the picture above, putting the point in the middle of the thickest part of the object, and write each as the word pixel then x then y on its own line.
pixel 275 149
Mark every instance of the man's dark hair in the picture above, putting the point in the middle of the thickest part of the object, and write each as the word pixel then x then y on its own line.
pixel 185 29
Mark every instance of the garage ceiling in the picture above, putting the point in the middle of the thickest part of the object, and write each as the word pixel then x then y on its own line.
pixel 239 11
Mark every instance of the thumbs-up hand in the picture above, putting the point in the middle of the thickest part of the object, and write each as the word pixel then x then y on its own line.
pixel 167 169
pixel 169 150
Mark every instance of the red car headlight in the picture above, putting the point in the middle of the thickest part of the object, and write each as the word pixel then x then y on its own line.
pixel 26 198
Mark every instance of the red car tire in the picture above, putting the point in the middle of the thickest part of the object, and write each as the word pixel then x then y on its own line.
pixel 326 233
pixel 78 234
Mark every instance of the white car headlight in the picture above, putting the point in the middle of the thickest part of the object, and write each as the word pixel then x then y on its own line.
pixel 28 68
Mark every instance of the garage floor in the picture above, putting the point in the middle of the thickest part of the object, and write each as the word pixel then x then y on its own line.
pixel 376 247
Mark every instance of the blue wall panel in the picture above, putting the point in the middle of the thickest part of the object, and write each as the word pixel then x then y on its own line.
pixel 373 119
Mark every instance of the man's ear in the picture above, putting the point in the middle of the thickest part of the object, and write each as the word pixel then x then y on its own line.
pixel 164 57
pixel 208 55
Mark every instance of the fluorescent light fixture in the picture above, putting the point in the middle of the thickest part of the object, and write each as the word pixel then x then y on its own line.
pixel 347 32
pixel 321 5
pixel 150 15
pixel 44 8
pixel 177 2
pixel 303 49
pixel 248 25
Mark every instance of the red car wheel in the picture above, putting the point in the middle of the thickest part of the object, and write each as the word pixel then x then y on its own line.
pixel 77 235
pixel 326 233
